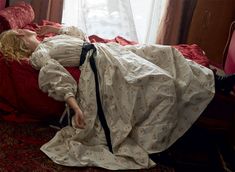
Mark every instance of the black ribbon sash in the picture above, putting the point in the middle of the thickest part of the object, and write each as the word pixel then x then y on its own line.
pixel 85 49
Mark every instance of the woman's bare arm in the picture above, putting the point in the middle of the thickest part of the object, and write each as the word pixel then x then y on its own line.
pixel 48 29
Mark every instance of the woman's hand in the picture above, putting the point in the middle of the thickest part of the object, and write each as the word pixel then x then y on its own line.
pixel 79 116
pixel 79 119
pixel 47 29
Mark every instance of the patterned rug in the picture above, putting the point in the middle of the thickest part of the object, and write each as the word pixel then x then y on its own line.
pixel 19 150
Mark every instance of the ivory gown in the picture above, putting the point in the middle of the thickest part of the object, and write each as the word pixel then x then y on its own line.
pixel 151 95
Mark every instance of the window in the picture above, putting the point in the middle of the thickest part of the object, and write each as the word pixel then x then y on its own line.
pixel 132 19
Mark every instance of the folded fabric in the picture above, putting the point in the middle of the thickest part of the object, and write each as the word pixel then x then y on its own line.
pixel 16 16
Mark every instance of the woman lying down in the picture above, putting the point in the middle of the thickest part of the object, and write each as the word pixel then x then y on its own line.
pixel 131 101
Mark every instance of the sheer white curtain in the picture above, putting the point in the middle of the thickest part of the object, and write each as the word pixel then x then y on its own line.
pixel 132 19
pixel 147 15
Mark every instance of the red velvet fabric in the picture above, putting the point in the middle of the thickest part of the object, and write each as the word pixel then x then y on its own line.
pixel 16 16
pixel 193 52
pixel 19 88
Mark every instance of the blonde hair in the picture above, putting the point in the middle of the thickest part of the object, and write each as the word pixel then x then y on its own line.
pixel 12 47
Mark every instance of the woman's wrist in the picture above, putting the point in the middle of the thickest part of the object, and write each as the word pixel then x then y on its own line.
pixel 72 102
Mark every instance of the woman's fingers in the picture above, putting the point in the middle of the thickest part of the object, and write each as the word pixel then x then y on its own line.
pixel 79 116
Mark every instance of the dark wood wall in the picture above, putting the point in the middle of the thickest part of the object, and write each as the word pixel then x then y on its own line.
pixel 12 1
pixel 210 26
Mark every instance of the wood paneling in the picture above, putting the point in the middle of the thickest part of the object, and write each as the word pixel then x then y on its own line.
pixel 47 10
pixel 210 25
pixel 40 8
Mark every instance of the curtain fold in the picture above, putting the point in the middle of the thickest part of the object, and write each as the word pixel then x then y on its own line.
pixel 175 22
pixel 48 10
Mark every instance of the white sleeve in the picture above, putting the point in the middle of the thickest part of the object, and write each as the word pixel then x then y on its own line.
pixel 53 78
pixel 73 31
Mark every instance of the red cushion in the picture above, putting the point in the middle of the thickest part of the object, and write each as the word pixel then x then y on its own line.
pixel 20 89
pixel 229 67
pixel 16 16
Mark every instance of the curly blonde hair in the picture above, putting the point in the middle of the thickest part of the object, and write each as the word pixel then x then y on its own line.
pixel 12 47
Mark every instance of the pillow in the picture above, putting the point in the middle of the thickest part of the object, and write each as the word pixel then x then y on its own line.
pixel 16 16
